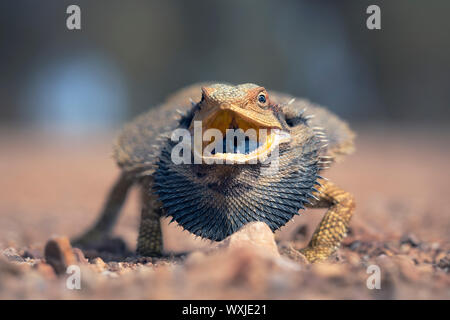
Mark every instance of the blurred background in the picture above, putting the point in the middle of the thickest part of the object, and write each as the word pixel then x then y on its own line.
pixel 65 93
pixel 130 55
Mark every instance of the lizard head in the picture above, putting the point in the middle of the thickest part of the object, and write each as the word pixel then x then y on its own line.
pixel 213 200
pixel 225 109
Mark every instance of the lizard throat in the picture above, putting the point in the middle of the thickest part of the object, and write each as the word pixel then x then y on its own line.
pixel 214 201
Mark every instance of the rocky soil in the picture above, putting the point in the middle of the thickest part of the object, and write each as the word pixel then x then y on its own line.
pixel 52 188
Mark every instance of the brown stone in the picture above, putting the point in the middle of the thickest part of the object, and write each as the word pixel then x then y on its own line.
pixel 58 253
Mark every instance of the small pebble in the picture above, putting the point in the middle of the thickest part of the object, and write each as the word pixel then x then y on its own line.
pixel 58 253
pixel 410 239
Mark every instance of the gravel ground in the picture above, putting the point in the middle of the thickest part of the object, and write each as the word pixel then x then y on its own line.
pixel 52 188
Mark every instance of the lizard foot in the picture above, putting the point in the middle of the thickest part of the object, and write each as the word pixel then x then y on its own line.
pixel 317 253
pixel 101 243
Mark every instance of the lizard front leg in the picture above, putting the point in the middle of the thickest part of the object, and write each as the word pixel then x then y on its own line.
pixel 150 242
pixel 101 230
pixel 333 227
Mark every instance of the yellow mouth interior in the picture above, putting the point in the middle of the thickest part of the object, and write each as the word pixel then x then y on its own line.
pixel 258 144
pixel 226 119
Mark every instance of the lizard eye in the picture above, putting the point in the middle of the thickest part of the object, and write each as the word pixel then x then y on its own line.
pixel 262 98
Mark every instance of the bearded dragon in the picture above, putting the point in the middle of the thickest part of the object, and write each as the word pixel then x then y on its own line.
pixel 214 200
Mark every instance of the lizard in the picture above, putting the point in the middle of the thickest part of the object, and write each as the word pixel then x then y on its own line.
pixel 214 200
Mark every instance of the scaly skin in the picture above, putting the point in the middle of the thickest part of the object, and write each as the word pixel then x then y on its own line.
pixel 214 201
pixel 333 227
pixel 150 242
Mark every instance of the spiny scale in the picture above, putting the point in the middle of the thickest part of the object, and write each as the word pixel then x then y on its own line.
pixel 214 209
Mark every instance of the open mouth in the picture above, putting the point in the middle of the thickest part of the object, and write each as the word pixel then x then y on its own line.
pixel 237 146
pixel 243 139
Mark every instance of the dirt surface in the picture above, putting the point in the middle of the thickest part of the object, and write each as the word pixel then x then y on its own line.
pixel 56 186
